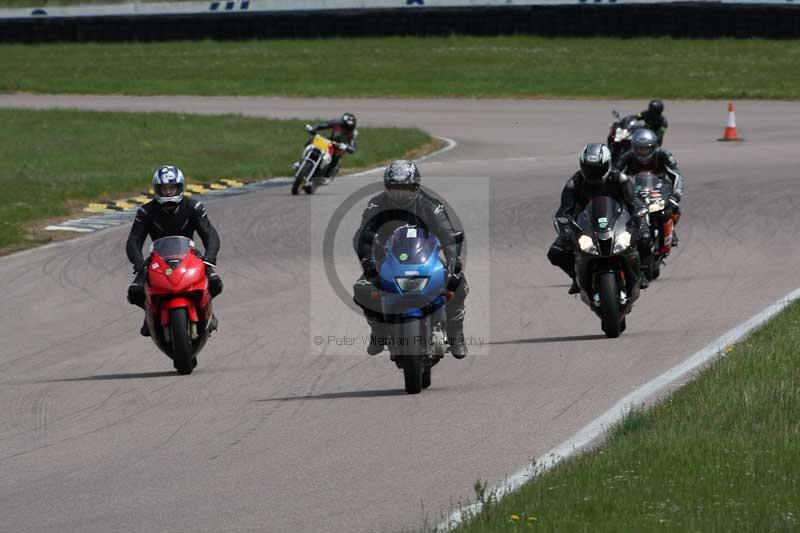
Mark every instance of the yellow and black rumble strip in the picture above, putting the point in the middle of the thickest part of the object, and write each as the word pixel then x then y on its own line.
pixel 114 213
pixel 144 197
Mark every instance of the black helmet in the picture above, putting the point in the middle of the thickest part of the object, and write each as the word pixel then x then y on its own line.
pixel 644 143
pixel 655 108
pixel 595 162
pixel 349 119
pixel 402 180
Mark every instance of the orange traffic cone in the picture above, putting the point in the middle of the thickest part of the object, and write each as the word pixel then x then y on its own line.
pixel 730 129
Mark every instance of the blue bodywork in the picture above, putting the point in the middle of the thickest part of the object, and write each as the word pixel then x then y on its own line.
pixel 412 252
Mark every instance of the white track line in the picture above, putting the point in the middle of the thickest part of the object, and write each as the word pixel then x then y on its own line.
pixel 597 427
pixel 449 145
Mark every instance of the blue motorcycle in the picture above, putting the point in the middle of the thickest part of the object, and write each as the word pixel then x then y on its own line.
pixel 414 291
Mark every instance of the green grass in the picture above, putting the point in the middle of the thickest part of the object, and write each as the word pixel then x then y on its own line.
pixel 721 454
pixel 520 66
pixel 54 161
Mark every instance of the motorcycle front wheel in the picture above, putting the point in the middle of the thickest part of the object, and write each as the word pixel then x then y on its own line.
pixel 182 356
pixel 609 305
pixel 302 176
pixel 409 332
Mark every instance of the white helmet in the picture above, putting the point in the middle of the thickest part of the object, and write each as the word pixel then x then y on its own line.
pixel 168 175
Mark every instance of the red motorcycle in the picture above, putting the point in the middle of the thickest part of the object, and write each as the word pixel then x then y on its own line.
pixel 655 192
pixel 178 302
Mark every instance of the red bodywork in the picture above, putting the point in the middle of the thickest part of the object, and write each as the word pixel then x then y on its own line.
pixel 666 248
pixel 171 287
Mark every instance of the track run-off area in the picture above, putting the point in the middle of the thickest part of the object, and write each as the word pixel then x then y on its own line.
pixel 276 433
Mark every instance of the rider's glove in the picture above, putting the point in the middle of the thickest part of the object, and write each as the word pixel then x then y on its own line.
pixel 370 269
pixel 454 267
pixel 215 284
pixel 563 225
pixel 310 128
pixel 675 200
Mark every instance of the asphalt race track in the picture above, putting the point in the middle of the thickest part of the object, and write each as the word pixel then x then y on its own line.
pixel 275 433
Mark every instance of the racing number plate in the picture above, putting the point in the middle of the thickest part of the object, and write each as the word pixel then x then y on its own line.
pixel 322 143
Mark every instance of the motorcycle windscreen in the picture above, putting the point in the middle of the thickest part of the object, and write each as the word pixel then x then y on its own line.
pixel 631 122
pixel 646 181
pixel 412 245
pixel 602 213
pixel 173 248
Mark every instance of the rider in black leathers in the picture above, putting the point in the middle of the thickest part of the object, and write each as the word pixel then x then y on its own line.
pixel 654 119
pixel 343 132
pixel 595 178
pixel 646 155
pixel 404 203
pixel 170 213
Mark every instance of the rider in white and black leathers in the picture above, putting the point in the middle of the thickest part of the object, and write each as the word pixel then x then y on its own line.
pixel 595 178
pixel 404 203
pixel 646 155
pixel 170 213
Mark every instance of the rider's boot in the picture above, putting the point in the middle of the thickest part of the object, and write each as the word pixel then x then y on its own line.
pixel 455 338
pixel 213 324
pixel 574 289
pixel 377 338
pixel 644 282
pixel 144 330
pixel 296 166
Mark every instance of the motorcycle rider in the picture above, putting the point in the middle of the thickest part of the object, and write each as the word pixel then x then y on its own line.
pixel 404 203
pixel 654 119
pixel 170 213
pixel 343 132
pixel 596 177
pixel 646 155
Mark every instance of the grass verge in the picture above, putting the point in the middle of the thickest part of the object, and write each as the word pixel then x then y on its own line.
pixel 721 454
pixel 519 66
pixel 54 161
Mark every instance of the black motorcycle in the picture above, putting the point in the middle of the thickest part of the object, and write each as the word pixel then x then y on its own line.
pixel 620 133
pixel 606 260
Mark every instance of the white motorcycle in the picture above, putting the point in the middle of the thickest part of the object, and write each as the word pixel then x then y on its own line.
pixel 314 167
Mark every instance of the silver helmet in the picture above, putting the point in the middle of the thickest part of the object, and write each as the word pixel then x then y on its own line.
pixel 402 181
pixel 644 144
pixel 168 185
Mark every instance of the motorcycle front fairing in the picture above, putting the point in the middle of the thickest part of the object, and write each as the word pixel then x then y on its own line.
pixel 319 152
pixel 176 278
pixel 655 192
pixel 606 243
pixel 412 277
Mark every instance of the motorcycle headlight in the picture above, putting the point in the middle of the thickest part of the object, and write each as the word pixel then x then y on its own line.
pixel 620 134
pixel 622 242
pixel 658 205
pixel 411 284
pixel 587 244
